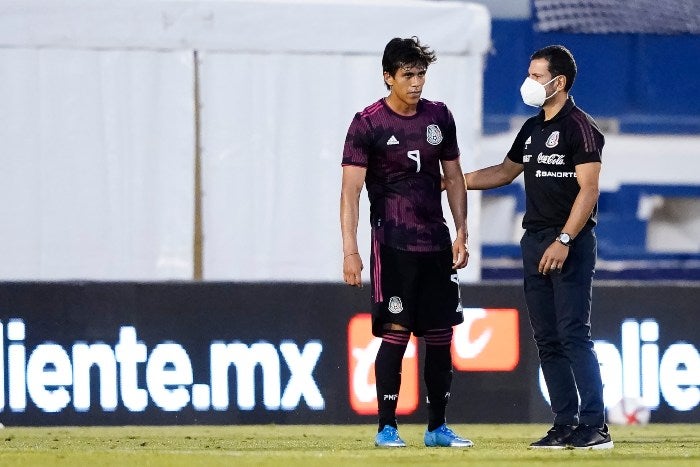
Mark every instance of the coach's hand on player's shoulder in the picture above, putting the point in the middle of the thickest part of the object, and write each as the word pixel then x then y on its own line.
pixel 352 269
pixel 460 254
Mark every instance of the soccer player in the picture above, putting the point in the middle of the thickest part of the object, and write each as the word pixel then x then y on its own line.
pixel 397 146
pixel 559 150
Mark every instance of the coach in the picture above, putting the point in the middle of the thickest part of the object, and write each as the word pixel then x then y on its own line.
pixel 559 150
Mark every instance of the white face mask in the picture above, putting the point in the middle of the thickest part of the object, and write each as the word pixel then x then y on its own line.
pixel 534 93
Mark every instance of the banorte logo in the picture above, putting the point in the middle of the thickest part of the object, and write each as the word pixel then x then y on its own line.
pixel 488 340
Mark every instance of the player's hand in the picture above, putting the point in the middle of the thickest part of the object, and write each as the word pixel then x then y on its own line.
pixel 352 270
pixel 460 254
pixel 553 258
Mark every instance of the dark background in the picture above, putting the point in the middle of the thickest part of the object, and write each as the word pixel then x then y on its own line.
pixel 194 314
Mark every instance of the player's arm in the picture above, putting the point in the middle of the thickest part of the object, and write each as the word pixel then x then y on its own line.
pixel 353 180
pixel 587 176
pixel 493 176
pixel 457 198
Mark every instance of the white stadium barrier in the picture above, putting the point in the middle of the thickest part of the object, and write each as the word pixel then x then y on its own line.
pixel 109 109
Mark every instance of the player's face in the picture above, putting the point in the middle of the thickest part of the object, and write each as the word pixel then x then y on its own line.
pixel 407 83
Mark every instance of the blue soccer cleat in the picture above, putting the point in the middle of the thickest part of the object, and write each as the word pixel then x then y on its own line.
pixel 445 438
pixel 389 438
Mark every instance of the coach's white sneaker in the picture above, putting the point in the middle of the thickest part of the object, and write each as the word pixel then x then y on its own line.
pixel 590 437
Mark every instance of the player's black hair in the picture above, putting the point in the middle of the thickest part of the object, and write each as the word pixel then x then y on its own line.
pixel 561 62
pixel 399 53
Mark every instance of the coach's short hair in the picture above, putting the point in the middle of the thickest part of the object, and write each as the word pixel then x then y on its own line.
pixel 560 62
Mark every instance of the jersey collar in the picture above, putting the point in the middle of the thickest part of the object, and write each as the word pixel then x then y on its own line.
pixel 564 111
pixel 419 109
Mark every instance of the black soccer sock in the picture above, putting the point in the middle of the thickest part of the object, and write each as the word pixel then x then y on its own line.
pixel 437 374
pixel 387 373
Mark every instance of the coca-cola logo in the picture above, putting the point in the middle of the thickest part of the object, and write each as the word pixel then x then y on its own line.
pixel 551 159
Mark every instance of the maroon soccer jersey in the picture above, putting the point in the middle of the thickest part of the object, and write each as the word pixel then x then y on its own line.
pixel 402 156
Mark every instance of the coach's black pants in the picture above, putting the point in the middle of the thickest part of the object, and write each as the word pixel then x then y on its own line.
pixel 559 305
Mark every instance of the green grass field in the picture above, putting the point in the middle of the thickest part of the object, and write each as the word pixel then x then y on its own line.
pixel 332 445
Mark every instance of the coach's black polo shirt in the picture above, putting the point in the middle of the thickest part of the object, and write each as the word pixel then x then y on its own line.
pixel 550 151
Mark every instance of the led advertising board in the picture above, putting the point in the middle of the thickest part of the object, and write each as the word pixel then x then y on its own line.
pixel 221 353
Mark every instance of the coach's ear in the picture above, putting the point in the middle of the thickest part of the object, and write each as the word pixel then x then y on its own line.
pixel 561 83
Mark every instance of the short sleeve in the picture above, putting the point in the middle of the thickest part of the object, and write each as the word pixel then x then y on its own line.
pixel 357 142
pixel 518 148
pixel 585 140
pixel 450 151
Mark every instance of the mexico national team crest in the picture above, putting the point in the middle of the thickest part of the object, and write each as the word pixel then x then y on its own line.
pixel 395 305
pixel 434 135
pixel 553 140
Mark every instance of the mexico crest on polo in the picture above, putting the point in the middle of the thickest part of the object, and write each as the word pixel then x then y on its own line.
pixel 553 140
